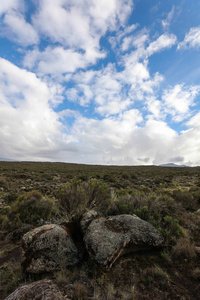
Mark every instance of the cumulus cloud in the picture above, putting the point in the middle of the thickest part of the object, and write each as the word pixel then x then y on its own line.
pixel 111 91
pixel 77 27
pixel 43 116
pixel 87 20
pixel 123 35
pixel 189 144
pixel 29 128
pixel 14 25
pixel 191 40
pixel 178 100
pixel 8 5
pixel 124 140
pixel 19 30
pixel 57 60
pixel 154 108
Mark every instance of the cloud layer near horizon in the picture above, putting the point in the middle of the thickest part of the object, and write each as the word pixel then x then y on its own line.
pixel 59 106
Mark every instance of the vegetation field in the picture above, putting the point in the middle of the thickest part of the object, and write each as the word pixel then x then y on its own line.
pixel 33 194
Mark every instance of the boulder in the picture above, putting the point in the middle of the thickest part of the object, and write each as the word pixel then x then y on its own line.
pixel 39 290
pixel 107 239
pixel 48 248
pixel 87 218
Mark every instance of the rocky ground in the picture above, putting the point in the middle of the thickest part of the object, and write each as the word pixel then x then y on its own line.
pixel 93 232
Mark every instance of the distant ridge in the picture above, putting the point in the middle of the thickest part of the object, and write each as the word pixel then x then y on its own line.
pixel 172 165
pixel 6 159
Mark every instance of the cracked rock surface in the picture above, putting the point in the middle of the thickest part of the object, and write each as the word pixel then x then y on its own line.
pixel 48 248
pixel 107 239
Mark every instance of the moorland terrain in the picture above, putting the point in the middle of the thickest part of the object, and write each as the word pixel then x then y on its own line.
pixel 34 194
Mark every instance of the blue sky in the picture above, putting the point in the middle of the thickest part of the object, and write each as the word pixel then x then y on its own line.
pixel 100 82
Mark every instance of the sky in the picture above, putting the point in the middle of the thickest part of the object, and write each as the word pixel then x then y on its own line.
pixel 100 82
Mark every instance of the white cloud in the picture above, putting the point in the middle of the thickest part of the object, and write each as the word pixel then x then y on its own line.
pixel 191 40
pixel 102 87
pixel 167 21
pixel 29 128
pixel 57 60
pixel 114 106
pixel 120 34
pixel 14 25
pixel 9 5
pixel 178 100
pixel 77 26
pixel 121 140
pixel 154 108
pixel 69 113
pixel 19 30
pixel 118 133
pixel 189 143
pixel 112 91
pixel 164 41
pixel 141 39
pixel 127 41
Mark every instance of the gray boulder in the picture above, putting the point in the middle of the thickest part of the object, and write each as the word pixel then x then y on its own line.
pixel 107 239
pixel 48 248
pixel 87 218
pixel 39 290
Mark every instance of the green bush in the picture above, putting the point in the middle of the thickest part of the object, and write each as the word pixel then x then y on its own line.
pixel 78 197
pixel 187 199
pixel 29 208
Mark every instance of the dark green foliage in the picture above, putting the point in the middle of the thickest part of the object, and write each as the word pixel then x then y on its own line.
pixel 3 182
pixel 10 275
pixel 29 208
pixel 11 197
pixel 109 177
pixel 188 200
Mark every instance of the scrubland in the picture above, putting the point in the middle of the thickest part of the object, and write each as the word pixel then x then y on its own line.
pixel 33 194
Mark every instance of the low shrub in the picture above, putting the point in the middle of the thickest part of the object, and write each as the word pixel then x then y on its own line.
pixel 29 208
pixel 3 182
pixel 78 197
pixel 187 199
pixel 184 250
pixel 153 277
pixel 11 197
pixel 11 274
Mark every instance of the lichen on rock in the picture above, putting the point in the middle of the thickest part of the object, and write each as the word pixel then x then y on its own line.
pixel 48 248
pixel 43 289
pixel 107 239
